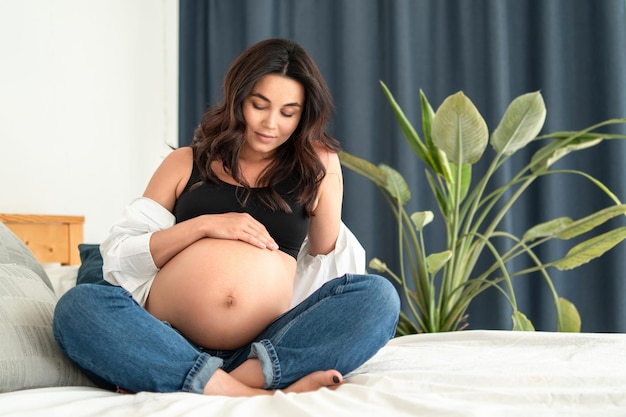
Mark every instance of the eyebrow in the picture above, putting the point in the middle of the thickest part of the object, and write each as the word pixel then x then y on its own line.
pixel 262 97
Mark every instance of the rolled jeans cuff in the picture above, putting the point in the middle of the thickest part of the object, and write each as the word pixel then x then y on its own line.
pixel 265 352
pixel 201 372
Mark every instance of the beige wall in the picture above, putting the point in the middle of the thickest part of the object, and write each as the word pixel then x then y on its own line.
pixel 88 104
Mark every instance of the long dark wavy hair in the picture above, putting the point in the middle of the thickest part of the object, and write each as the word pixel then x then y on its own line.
pixel 221 132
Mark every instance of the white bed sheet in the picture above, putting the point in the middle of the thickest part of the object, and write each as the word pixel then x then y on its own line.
pixel 469 373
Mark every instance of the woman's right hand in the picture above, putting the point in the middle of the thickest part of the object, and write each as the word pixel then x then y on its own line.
pixel 166 244
pixel 237 226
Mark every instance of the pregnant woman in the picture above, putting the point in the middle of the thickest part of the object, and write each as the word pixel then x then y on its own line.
pixel 202 266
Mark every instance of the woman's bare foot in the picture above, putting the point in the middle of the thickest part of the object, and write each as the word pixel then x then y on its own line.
pixel 316 380
pixel 221 383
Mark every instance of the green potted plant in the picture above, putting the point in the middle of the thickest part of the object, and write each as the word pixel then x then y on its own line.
pixel 438 287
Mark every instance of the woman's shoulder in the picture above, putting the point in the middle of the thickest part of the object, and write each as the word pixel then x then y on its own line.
pixel 170 178
pixel 324 152
pixel 179 162
pixel 328 157
pixel 183 155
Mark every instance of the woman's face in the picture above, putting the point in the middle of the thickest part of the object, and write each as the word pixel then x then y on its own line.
pixel 272 112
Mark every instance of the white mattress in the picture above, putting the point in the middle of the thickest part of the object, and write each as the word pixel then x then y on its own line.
pixel 469 373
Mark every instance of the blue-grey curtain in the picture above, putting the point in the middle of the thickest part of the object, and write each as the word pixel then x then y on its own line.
pixel 573 51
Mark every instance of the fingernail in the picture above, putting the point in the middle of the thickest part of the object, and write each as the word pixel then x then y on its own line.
pixel 335 379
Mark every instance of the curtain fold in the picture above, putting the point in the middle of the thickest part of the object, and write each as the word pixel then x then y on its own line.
pixel 573 51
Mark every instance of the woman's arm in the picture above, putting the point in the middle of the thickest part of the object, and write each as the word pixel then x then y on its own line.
pixel 126 251
pixel 166 185
pixel 147 237
pixel 326 219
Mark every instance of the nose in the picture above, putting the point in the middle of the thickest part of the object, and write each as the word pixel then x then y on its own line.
pixel 270 119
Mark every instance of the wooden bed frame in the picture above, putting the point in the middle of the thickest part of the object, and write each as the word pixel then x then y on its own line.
pixel 51 238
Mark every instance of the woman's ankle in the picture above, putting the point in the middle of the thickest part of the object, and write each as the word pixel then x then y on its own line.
pixel 222 383
pixel 250 373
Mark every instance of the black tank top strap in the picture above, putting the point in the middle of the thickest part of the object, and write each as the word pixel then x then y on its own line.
pixel 194 178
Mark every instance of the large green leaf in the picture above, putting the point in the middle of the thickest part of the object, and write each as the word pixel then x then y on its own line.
pixel 549 154
pixel 365 168
pixel 588 133
pixel 580 226
pixel 547 229
pixel 520 124
pixel 427 120
pixel 409 132
pixel 569 319
pixel 396 185
pixel 459 130
pixel 591 249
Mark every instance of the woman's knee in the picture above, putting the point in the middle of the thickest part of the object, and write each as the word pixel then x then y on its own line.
pixel 380 294
pixel 381 288
pixel 79 307
pixel 70 306
pixel 78 300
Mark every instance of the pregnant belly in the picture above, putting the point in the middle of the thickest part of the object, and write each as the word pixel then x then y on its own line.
pixel 221 294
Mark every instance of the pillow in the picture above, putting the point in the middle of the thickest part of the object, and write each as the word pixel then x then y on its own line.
pixel 90 270
pixel 14 251
pixel 29 355
pixel 62 277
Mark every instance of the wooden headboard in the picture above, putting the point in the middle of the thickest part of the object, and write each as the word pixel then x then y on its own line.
pixel 51 238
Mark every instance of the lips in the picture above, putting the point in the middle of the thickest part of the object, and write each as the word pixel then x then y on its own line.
pixel 265 138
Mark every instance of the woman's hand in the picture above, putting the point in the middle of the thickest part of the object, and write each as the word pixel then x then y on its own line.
pixel 238 226
pixel 166 244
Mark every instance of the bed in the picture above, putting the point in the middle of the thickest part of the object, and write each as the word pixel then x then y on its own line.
pixel 468 373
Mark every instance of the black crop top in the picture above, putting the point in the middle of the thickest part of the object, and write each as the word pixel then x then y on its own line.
pixel 287 229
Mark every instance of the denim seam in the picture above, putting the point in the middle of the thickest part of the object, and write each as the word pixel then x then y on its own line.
pixel 270 365
pixel 200 373
pixel 278 337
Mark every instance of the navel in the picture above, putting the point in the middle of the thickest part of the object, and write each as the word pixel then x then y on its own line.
pixel 230 301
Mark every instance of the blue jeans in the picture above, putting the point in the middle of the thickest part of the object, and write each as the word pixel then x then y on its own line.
pixel 118 343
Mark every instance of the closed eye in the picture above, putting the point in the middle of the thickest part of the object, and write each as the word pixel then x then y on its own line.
pixel 257 106
pixel 265 99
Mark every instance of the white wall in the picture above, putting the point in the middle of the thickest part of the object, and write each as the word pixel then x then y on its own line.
pixel 88 104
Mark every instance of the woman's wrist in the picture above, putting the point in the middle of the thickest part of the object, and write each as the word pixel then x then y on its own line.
pixel 201 226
